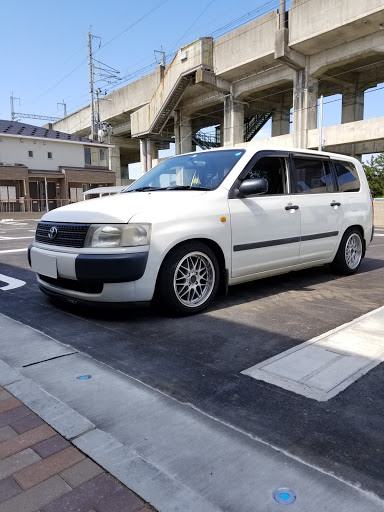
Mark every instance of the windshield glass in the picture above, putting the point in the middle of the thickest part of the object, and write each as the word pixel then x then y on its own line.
pixel 202 170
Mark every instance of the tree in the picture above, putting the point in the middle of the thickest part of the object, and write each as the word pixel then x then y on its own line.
pixel 374 171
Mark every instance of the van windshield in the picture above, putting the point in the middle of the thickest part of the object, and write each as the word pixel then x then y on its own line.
pixel 197 171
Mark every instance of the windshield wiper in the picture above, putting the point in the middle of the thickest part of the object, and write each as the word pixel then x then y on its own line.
pixel 185 187
pixel 142 189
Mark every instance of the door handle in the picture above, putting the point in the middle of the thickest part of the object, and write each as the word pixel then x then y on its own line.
pixel 334 203
pixel 292 207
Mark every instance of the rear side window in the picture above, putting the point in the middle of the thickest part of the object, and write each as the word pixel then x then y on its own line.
pixel 312 176
pixel 347 177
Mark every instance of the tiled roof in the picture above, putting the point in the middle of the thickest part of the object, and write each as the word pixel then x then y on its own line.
pixel 28 130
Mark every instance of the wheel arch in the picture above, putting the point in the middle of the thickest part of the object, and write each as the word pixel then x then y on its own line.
pixel 361 230
pixel 215 248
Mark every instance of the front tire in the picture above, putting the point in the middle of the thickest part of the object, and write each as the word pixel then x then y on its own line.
pixel 350 253
pixel 188 279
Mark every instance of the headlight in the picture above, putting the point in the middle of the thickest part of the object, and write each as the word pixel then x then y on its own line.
pixel 118 235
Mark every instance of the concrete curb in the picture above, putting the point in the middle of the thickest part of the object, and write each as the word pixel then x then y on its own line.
pixel 139 475
pixel 66 421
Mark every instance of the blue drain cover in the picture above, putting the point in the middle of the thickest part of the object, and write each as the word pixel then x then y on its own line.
pixel 284 496
pixel 84 377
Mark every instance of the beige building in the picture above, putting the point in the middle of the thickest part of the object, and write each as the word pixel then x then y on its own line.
pixel 41 169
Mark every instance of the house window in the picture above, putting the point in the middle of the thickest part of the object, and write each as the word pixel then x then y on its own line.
pixel 103 156
pixel 49 154
pixel 87 156
pixel 30 154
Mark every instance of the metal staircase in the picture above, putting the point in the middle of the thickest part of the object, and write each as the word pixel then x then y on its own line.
pixel 181 72
pixel 206 141
pixel 254 124
pixel 171 102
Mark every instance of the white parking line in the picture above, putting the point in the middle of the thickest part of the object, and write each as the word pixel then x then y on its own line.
pixel 322 367
pixel 12 283
pixel 14 250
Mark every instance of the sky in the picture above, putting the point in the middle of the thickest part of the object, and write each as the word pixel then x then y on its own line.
pixel 44 57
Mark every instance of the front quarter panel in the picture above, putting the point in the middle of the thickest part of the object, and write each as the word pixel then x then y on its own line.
pixel 202 218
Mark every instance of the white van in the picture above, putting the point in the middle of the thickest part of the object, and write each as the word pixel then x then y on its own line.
pixel 203 221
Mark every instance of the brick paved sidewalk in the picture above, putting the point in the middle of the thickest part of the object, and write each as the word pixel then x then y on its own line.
pixel 42 472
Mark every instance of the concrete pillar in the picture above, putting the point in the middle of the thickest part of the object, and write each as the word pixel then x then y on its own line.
pixel 183 133
pixel 352 105
pixel 143 156
pixel 352 110
pixel 149 154
pixel 114 162
pixel 155 152
pixel 280 121
pixel 233 132
pixel 305 95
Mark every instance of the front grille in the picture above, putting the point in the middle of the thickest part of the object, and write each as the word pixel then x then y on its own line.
pixel 77 286
pixel 68 235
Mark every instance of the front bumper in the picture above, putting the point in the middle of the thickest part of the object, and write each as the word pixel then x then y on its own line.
pixel 94 277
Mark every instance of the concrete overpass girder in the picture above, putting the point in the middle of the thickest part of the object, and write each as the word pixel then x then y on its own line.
pixel 346 53
pixel 278 76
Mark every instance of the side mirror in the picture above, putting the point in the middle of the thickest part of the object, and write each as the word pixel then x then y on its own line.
pixel 253 187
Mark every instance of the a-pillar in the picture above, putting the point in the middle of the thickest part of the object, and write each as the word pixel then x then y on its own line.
pixel 183 133
pixel 114 162
pixel 305 95
pixel 233 121
pixel 280 121
pixel 143 156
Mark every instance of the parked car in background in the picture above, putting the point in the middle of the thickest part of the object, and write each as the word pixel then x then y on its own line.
pixel 93 193
pixel 203 221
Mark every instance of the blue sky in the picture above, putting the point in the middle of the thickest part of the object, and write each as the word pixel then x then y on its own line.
pixel 44 58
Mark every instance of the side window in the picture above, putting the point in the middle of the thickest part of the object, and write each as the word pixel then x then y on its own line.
pixel 274 171
pixel 347 177
pixel 312 176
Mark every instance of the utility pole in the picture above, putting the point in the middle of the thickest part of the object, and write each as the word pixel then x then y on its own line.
pixel 97 107
pixel 321 124
pixel 91 96
pixel 104 73
pixel 162 53
pixel 13 115
pixel 64 107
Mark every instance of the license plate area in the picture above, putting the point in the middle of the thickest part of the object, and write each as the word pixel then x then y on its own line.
pixel 44 264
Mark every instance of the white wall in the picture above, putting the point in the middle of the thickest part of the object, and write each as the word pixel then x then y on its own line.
pixel 13 151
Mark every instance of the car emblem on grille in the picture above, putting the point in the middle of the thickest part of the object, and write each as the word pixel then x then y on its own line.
pixel 52 233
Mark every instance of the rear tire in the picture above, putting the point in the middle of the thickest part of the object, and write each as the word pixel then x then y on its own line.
pixel 350 253
pixel 188 279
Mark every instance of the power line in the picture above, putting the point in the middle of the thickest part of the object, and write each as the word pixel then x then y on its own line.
pixel 193 24
pixel 148 13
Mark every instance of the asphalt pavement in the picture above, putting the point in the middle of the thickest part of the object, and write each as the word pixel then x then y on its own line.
pixel 197 361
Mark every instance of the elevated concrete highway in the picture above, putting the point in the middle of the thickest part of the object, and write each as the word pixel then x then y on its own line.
pixel 281 61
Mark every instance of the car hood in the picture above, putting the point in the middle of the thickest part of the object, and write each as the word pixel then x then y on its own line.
pixel 120 208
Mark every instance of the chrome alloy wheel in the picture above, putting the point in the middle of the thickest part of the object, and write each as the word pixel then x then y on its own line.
pixel 353 251
pixel 194 279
